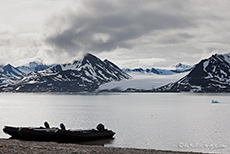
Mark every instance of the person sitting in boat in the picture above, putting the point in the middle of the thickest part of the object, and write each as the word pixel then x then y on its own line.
pixel 100 127
pixel 46 124
pixel 62 126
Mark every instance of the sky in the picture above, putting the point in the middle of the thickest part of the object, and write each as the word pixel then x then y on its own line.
pixel 130 33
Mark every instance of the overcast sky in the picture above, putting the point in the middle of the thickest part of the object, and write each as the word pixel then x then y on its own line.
pixel 130 33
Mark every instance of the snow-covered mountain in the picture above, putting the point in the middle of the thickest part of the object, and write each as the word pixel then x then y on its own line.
pixel 181 66
pixel 178 68
pixel 90 74
pixel 79 76
pixel 9 74
pixel 33 67
pixel 209 75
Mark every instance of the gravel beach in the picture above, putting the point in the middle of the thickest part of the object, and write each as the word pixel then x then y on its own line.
pixel 10 146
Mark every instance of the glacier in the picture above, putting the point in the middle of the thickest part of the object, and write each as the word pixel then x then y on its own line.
pixel 141 81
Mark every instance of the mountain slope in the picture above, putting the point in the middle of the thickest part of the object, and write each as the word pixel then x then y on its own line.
pixel 9 74
pixel 209 75
pixel 79 76
pixel 33 67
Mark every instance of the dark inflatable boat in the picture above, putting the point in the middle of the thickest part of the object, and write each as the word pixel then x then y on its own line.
pixel 64 135
pixel 61 135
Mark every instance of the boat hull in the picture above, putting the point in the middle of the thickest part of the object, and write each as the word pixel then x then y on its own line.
pixel 55 134
pixel 83 135
pixel 12 131
pixel 38 134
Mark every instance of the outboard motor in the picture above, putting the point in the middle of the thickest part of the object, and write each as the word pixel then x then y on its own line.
pixel 62 126
pixel 46 124
pixel 100 127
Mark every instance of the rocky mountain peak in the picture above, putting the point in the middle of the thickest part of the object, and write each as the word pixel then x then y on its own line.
pixel 209 75
pixel 84 75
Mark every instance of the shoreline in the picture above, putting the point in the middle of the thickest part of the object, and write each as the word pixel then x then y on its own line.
pixel 10 146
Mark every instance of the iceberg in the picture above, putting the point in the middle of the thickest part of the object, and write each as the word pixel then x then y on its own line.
pixel 214 101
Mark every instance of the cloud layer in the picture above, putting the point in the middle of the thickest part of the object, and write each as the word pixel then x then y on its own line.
pixel 103 25
pixel 128 32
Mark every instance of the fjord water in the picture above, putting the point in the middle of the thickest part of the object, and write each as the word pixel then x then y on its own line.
pixel 167 121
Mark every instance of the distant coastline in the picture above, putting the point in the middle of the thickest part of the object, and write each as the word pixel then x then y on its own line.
pixel 92 74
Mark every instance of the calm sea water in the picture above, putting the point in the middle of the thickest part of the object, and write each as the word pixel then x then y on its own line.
pixel 168 121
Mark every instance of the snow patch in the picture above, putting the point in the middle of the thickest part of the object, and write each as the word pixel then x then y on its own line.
pixel 227 58
pixel 205 64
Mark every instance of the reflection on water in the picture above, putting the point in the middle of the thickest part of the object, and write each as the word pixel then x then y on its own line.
pixel 146 120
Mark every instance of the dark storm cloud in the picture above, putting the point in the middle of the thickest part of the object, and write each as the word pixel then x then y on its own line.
pixel 104 26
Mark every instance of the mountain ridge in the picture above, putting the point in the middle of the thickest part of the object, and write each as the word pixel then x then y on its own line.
pixel 80 76
pixel 89 73
pixel 178 68
pixel 9 74
pixel 33 67
pixel 209 75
